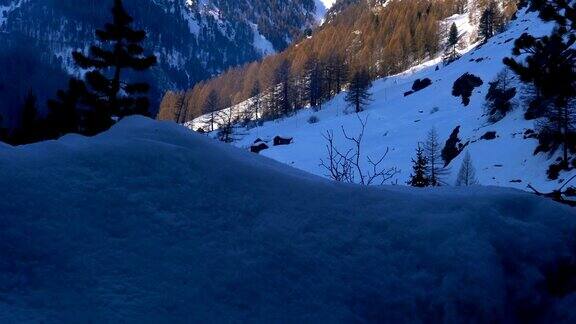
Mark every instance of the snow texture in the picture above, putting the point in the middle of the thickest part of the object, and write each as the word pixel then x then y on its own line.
pixel 152 223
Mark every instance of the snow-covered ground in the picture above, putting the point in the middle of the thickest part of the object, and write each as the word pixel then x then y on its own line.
pixel 150 222
pixel 399 122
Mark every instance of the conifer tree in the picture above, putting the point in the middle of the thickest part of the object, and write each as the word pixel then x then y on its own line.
pixel 314 92
pixel 335 75
pixel 453 39
pixel 499 96
pixel 432 150
pixel 467 173
pixel 29 129
pixel 418 177
pixel 211 106
pixel 359 94
pixel 63 115
pixel 490 21
pixel 119 49
pixel 255 103
pixel 549 67
pixel 284 91
pixel 226 122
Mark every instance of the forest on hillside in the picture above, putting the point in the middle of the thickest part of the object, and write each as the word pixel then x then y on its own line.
pixel 358 35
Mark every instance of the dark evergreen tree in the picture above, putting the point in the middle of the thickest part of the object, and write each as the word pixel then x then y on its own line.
pixel 180 108
pixel 335 75
pixel 490 21
pixel 467 173
pixel 359 94
pixel 418 177
pixel 283 93
pixel 211 107
pixel 226 124
pixel 436 169
pixel 451 52
pixel 256 92
pixel 314 81
pixel 29 130
pixel 499 96
pixel 549 67
pixel 563 12
pixel 119 50
pixel 251 115
pixel 65 111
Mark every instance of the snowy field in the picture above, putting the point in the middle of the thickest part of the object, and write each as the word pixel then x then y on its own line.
pixel 399 123
pixel 152 223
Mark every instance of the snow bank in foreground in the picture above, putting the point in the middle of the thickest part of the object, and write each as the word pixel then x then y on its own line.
pixel 152 223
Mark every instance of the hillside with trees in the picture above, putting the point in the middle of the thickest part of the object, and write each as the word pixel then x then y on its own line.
pixel 514 120
pixel 383 37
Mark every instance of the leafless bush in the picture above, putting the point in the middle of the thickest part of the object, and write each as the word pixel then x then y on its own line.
pixel 346 166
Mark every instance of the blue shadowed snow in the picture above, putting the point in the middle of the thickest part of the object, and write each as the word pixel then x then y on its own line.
pixel 152 223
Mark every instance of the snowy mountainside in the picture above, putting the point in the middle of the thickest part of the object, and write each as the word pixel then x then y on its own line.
pixel 194 40
pixel 400 123
pixel 150 222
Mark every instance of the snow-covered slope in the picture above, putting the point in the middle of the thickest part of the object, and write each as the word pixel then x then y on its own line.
pixel 399 122
pixel 150 222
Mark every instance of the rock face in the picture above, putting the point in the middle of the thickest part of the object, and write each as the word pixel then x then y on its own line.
pixel 193 39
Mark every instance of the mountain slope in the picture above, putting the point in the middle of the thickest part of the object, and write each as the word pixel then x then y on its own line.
pixel 193 39
pixel 150 222
pixel 400 123
pixel 386 37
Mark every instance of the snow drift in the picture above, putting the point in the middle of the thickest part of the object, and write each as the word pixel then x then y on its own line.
pixel 152 223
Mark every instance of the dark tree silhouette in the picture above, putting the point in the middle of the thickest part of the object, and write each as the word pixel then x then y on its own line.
pixel 284 89
pixel 418 177
pixel 314 81
pixel 499 96
pixel 490 21
pixel 451 53
pixel 436 171
pixel 211 107
pixel 119 49
pixel 63 115
pixel 254 108
pixel 467 173
pixel 29 129
pixel 549 67
pixel 359 94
